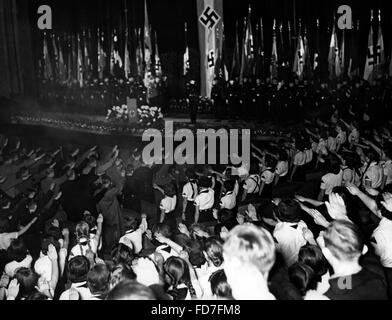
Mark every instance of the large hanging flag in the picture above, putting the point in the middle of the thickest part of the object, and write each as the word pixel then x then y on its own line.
pixel 221 66
pixel 139 52
pixel 62 68
pixel 354 62
pixel 379 52
pixel 55 57
pixel 342 54
pixel 316 54
pixel 147 40
pixel 86 56
pixel 210 17
pixel 80 64
pixel 127 59
pixel 236 64
pixel 101 55
pixel 333 55
pixel 48 70
pixel 308 67
pixel 248 53
pixel 259 61
pixel 274 54
pixel 186 54
pixel 370 55
pixel 299 58
pixel 157 59
pixel 116 63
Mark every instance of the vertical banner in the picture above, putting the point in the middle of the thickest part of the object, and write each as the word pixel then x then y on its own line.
pixel 210 17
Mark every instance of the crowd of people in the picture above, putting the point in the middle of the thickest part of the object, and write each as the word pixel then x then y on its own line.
pixel 308 218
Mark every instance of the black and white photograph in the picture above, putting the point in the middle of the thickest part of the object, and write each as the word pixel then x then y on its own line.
pixel 204 151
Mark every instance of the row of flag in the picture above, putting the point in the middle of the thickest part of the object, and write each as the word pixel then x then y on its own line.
pixel 69 57
pixel 286 58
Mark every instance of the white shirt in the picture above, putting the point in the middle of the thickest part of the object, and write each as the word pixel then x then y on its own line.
pixel 11 267
pixel 383 236
pixel 133 240
pixel 282 168
pixel 189 191
pixel 290 240
pixel 6 239
pixel 299 158
pixel 252 184
pixel 330 181
pixel 267 176
pixel 374 174
pixel 322 147
pixel 350 176
pixel 205 199
pixel 354 136
pixel 168 204
pixel 341 137
pixel 331 144
pixel 84 293
pixel 309 155
pixel 228 201
pixel 387 166
pixel 81 250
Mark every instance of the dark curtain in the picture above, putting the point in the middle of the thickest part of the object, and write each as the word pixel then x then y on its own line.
pixel 16 62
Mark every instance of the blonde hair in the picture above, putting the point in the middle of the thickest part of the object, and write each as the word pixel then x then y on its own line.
pixel 251 245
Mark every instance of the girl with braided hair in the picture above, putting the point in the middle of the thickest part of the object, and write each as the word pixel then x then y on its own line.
pixel 178 279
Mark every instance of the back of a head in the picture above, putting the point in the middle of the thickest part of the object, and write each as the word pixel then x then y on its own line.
pixel 219 285
pixel 288 210
pixel 78 267
pixel 98 279
pixel 214 251
pixel 312 256
pixel 303 277
pixel 131 290
pixel 27 280
pixel 17 250
pixel 177 270
pixel 334 164
pixel 251 246
pixel 82 230
pixel 344 240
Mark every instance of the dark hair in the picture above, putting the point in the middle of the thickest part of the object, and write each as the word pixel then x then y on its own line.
pixel 190 174
pixel 177 271
pixel 4 225
pixel 283 156
pixel 194 249
pixel 288 210
pixel 312 256
pixel 303 277
pixel 17 250
pixel 219 285
pixel 384 212
pixel 122 254
pixel 27 280
pixel 214 251
pixel 126 273
pixel 49 241
pixel 132 222
pixel 131 290
pixel 78 267
pixel 53 231
pixel 90 220
pixel 254 167
pixel 334 164
pixel 229 185
pixel 205 182
pixel 98 279
pixel 37 296
pixel 163 229
pixel 270 162
pixel 169 190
